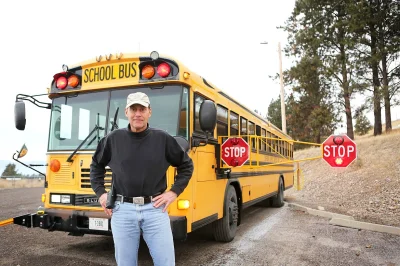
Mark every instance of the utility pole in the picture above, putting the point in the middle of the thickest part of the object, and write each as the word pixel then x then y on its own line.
pixel 283 108
pixel 283 111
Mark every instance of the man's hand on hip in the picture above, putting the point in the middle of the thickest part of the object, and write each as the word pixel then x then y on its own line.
pixel 165 199
pixel 103 200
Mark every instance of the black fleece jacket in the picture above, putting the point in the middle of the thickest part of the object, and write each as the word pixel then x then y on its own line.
pixel 139 162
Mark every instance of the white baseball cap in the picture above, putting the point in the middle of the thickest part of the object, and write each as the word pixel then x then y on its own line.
pixel 137 98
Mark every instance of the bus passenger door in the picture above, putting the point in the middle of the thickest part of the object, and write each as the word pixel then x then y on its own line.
pixel 206 188
pixel 206 172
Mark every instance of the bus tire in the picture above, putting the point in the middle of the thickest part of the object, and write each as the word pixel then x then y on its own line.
pixel 225 228
pixel 277 200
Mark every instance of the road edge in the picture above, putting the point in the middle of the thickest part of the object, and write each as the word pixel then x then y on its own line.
pixel 346 220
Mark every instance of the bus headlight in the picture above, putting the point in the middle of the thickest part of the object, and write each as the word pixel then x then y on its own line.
pixel 66 199
pixel 54 198
pixel 60 198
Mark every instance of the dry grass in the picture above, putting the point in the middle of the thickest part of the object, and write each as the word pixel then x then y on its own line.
pixel 395 130
pixel 368 189
pixel 23 183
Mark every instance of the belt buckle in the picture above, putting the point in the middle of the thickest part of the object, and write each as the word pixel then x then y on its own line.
pixel 121 198
pixel 138 200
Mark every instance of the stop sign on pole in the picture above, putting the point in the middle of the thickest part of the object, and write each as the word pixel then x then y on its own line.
pixel 339 150
pixel 235 151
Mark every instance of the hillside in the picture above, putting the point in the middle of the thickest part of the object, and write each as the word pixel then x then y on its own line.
pixel 368 190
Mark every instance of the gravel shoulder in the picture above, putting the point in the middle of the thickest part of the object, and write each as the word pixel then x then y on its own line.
pixel 19 201
pixel 267 236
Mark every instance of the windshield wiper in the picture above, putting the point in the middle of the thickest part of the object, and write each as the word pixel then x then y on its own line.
pixel 96 128
pixel 114 123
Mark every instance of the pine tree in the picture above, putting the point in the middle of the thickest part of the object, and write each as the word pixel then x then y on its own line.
pixel 274 113
pixel 358 45
pixel 377 30
pixel 320 37
pixel 311 113
pixel 362 125
pixel 10 171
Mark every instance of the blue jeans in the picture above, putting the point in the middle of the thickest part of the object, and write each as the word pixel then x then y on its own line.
pixel 127 222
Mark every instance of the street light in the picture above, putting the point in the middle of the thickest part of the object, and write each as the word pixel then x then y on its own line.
pixel 283 112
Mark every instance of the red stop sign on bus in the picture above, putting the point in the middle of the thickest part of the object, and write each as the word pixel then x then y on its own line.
pixel 235 151
pixel 339 150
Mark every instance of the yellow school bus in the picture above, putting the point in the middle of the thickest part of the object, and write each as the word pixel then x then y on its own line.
pixel 87 102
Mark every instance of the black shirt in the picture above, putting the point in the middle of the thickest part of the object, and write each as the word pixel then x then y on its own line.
pixel 139 162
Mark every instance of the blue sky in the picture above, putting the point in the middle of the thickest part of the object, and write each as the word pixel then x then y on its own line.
pixel 215 39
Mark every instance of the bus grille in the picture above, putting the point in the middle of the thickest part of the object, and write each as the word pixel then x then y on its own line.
pixel 86 200
pixel 85 178
pixel 64 175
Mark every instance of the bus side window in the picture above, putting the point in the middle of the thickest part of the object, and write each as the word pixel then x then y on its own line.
pixel 274 144
pixel 263 141
pixel 286 150
pixel 269 142
pixel 252 132
pixel 222 122
pixel 291 151
pixel 234 124
pixel 243 127
pixel 258 133
pixel 277 145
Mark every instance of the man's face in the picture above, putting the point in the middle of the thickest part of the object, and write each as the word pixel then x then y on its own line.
pixel 138 116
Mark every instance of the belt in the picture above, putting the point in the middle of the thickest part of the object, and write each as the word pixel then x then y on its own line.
pixel 136 200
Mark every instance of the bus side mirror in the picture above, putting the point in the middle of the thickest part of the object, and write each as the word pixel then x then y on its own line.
pixel 19 112
pixel 208 116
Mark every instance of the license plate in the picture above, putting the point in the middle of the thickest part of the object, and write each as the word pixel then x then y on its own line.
pixel 98 224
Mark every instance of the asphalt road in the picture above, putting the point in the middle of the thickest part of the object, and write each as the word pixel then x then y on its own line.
pixel 266 237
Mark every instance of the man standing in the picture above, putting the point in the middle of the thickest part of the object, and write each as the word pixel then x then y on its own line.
pixel 139 157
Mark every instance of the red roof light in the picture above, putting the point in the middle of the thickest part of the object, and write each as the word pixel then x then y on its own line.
pixel 61 83
pixel 163 70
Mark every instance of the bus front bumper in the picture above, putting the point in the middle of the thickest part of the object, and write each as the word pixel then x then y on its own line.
pixel 78 223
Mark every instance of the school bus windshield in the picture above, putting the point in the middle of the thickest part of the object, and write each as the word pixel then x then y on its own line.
pixel 73 117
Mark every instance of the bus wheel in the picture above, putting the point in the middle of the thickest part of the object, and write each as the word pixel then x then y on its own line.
pixel 277 200
pixel 225 228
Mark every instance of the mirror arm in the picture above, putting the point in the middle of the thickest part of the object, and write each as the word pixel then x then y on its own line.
pixel 16 159
pixel 199 142
pixel 31 98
